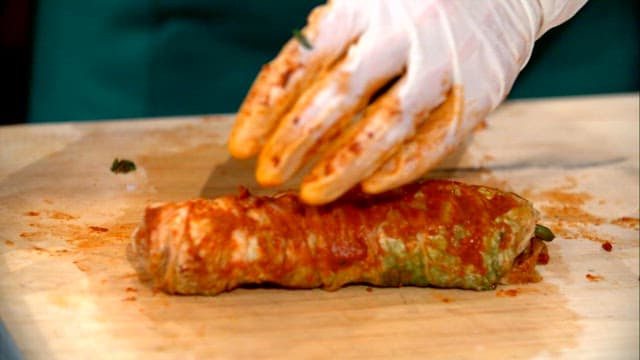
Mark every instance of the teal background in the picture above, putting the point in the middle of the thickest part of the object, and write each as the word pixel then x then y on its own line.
pixel 114 59
pixel 595 52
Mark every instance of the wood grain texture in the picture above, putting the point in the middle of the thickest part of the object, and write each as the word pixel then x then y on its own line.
pixel 67 290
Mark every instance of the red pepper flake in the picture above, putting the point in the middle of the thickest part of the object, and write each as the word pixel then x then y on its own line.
pixel 594 278
pixel 607 246
pixel 98 229
pixel 628 222
pixel 243 192
pixel 31 213
pixel 507 292
pixel 369 289
pixel 59 215
pixel 130 289
pixel 543 258
pixel 82 267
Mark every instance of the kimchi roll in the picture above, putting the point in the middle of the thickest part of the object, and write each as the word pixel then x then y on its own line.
pixel 434 233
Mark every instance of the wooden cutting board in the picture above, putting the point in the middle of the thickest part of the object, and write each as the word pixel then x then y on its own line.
pixel 67 290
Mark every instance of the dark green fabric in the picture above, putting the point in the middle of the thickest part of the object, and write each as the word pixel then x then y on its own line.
pixel 595 52
pixel 121 59
pixel 91 59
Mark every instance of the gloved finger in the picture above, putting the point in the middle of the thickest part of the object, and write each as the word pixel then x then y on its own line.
pixel 498 53
pixel 434 140
pixel 330 29
pixel 367 145
pixel 330 103
pixel 359 148
pixel 390 120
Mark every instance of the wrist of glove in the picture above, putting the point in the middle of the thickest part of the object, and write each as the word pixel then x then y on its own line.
pixel 386 89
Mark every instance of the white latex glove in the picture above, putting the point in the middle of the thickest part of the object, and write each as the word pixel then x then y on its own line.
pixel 436 68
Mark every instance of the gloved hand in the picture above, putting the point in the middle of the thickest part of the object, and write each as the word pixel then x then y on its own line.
pixel 385 89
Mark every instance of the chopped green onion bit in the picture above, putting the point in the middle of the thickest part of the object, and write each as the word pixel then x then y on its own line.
pixel 122 166
pixel 544 233
pixel 302 39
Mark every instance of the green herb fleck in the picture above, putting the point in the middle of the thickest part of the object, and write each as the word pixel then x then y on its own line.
pixel 302 39
pixel 122 166
pixel 544 233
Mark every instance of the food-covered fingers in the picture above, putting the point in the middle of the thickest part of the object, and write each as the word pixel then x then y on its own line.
pixel 434 140
pixel 279 84
pixel 391 119
pixel 489 47
pixel 485 62
pixel 330 102
pixel 388 127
